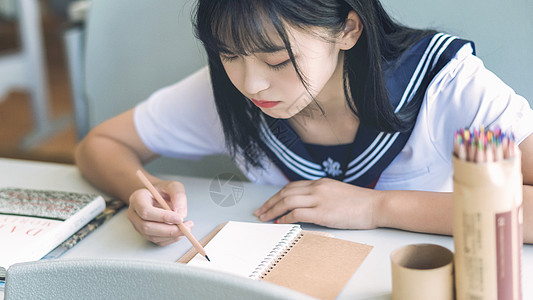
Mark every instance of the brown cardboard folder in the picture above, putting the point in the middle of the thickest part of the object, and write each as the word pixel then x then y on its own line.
pixel 318 264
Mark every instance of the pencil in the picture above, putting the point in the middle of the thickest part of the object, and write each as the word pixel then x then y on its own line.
pixel 164 204
pixel 460 149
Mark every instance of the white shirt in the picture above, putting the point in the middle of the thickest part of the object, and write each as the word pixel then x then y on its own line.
pixel 181 121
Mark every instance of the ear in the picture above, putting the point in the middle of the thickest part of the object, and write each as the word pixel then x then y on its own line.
pixel 352 31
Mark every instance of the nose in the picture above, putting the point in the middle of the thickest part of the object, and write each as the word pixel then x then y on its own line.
pixel 255 78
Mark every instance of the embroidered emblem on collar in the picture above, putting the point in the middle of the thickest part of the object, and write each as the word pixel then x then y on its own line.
pixel 332 167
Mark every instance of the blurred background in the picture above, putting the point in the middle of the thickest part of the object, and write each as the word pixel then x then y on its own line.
pixel 64 68
pixel 49 134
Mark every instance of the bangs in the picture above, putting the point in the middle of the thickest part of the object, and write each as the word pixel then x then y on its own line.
pixel 243 27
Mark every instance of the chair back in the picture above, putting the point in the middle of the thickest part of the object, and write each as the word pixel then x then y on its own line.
pixel 60 279
pixel 132 49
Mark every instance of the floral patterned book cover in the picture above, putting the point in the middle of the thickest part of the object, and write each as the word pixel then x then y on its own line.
pixel 113 206
pixel 33 222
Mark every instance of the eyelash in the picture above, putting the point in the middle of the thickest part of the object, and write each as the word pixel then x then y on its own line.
pixel 273 67
pixel 280 65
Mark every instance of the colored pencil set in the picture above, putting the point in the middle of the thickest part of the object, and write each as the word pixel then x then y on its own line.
pixel 484 145
pixel 487 214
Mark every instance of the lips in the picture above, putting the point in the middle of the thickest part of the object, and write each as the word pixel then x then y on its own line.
pixel 264 103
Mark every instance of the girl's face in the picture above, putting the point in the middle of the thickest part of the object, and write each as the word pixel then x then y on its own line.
pixel 270 81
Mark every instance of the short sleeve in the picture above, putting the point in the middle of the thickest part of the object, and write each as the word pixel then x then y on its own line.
pixel 465 94
pixel 181 120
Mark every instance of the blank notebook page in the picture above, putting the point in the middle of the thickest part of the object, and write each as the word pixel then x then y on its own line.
pixel 240 248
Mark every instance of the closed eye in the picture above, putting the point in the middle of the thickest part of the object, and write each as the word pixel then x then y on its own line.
pixel 280 65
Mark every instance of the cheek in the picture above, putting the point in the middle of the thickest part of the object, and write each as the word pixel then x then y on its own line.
pixel 295 95
pixel 289 83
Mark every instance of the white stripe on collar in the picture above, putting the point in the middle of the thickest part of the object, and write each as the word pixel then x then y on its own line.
pixel 293 161
pixel 423 63
pixel 441 41
pixel 373 162
pixel 375 152
pixel 367 150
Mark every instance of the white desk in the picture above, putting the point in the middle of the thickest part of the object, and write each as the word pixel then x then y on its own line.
pixel 118 239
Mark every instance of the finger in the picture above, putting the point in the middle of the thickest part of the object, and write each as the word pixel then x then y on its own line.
pixel 300 183
pixel 287 204
pixel 157 229
pixel 159 215
pixel 174 194
pixel 152 228
pixel 162 230
pixel 189 224
pixel 179 204
pixel 143 205
pixel 298 188
pixel 279 196
pixel 164 241
pixel 304 215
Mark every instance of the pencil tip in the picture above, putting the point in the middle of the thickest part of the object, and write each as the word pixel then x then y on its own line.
pixel 207 258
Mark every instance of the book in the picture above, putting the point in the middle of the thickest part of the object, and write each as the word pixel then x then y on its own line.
pixel 310 262
pixel 112 207
pixel 33 222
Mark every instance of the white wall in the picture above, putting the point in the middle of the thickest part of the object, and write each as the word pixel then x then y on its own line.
pixel 501 30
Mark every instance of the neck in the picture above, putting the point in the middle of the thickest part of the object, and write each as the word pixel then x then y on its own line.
pixel 331 121
pixel 331 101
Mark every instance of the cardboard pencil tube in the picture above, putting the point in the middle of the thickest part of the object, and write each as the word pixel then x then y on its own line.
pixel 422 271
pixel 487 229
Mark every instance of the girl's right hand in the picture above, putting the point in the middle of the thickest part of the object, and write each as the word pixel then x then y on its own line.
pixel 155 223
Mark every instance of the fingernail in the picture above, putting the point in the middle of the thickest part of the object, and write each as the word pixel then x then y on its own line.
pixel 276 222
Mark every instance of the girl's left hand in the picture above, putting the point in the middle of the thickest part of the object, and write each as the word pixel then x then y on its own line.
pixel 325 202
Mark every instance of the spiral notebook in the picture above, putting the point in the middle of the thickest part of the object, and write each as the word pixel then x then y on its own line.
pixel 309 262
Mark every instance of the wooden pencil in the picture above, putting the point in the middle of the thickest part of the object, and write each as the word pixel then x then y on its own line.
pixel 164 204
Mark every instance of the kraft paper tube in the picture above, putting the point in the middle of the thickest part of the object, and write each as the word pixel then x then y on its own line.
pixel 421 272
pixel 488 229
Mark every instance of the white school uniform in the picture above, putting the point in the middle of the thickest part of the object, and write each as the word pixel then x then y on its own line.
pixel 181 121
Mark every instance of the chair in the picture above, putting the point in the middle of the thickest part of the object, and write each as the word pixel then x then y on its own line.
pixel 131 49
pixel 131 279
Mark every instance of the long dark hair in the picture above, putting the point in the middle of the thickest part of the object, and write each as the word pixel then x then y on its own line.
pixel 238 26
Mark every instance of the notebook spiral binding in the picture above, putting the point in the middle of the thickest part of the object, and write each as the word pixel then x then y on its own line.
pixel 277 253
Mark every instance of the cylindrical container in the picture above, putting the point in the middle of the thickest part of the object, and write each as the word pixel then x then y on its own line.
pixel 487 229
pixel 421 272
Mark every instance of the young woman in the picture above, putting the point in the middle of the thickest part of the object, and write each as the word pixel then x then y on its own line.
pixel 353 113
